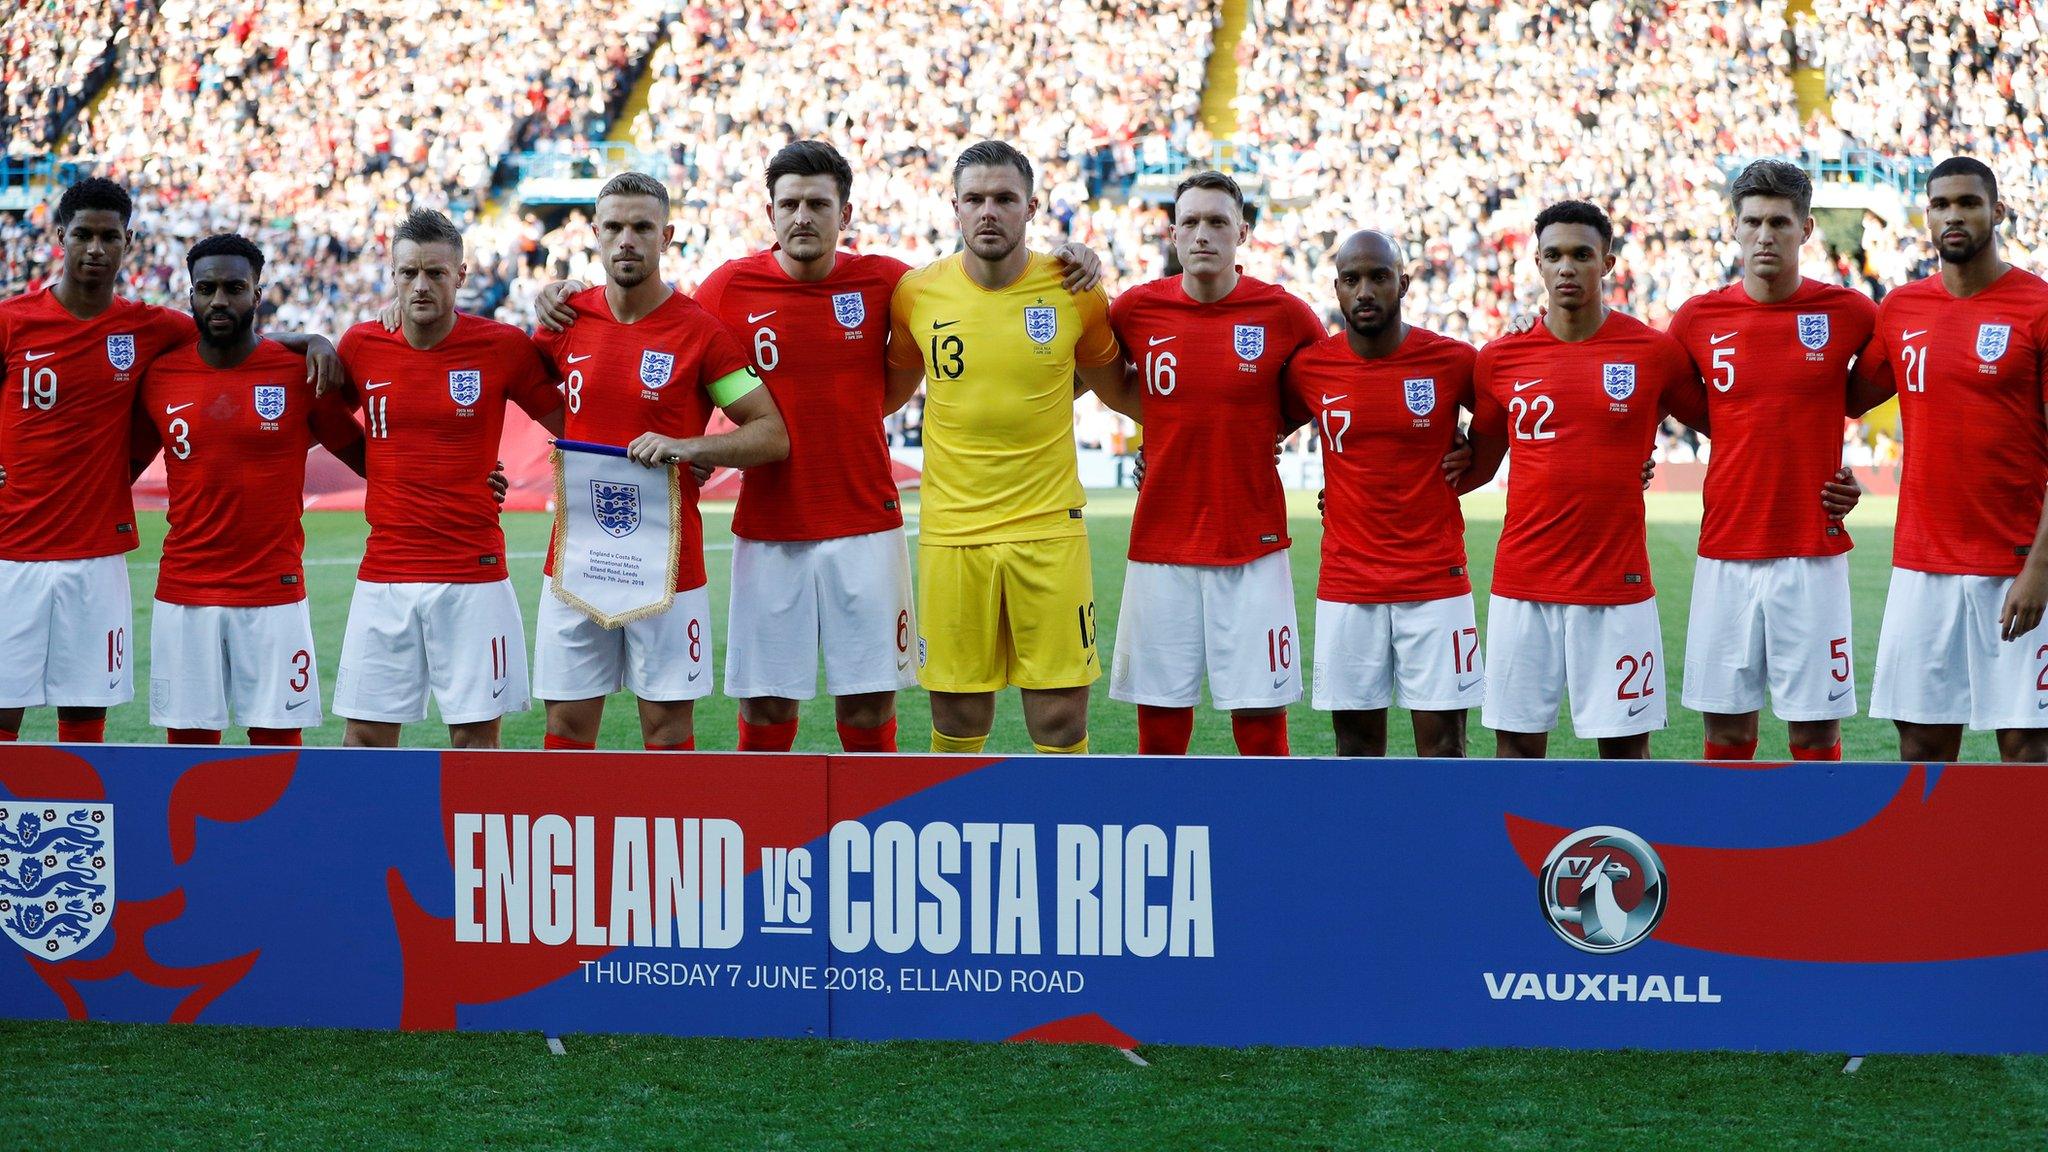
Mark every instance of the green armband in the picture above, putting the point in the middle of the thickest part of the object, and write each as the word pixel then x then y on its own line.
pixel 727 389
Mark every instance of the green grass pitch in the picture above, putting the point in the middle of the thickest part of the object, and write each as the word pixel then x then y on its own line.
pixel 145 1086
pixel 334 541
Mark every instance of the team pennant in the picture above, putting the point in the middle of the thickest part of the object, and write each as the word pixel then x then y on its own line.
pixel 618 534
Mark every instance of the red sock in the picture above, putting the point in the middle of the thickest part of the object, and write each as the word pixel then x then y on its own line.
pixel 554 743
pixel 86 731
pixel 689 744
pixel 191 736
pixel 1164 731
pixel 767 737
pixel 1260 735
pixel 880 738
pixel 1731 751
pixel 7 737
pixel 276 738
pixel 1831 753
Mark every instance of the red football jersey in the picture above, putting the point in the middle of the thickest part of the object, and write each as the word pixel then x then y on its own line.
pixel 820 346
pixel 653 375
pixel 1211 374
pixel 1392 529
pixel 1972 377
pixel 1773 379
pixel 1579 420
pixel 234 443
pixel 66 401
pixel 433 417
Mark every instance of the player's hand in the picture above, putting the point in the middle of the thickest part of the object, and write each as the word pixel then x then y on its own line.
pixel 499 485
pixel 1458 460
pixel 1649 472
pixel 1083 266
pixel 1839 495
pixel 701 472
pixel 552 305
pixel 2023 603
pixel 1138 471
pixel 653 450
pixel 3 477
pixel 1322 504
pixel 1524 322
pixel 391 316
pixel 323 366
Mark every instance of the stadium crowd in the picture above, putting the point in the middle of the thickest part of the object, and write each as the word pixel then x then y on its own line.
pixel 51 55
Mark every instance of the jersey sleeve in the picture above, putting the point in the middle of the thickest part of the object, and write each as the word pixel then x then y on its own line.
pixel 1097 345
pixel 532 385
pixel 333 425
pixel 903 349
pixel 2041 350
pixel 548 343
pixel 1684 395
pixel 723 370
pixel 1488 417
pixel 1466 360
pixel 350 350
pixel 1308 327
pixel 710 294
pixel 144 442
pixel 170 329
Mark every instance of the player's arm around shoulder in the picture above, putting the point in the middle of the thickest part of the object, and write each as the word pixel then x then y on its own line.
pixel 1099 363
pixel 1489 428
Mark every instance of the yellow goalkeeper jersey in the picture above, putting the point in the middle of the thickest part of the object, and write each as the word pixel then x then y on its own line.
pixel 999 366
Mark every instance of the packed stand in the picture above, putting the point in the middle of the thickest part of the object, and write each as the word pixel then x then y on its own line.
pixel 53 54
pixel 311 127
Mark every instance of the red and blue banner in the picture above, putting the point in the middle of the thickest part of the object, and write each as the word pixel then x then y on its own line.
pixel 1853 907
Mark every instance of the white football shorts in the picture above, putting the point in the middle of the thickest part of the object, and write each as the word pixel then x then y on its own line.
pixel 1429 649
pixel 1609 657
pixel 665 657
pixel 1236 623
pixel 207 663
pixel 465 642
pixel 1781 623
pixel 1940 659
pixel 66 628
pixel 848 598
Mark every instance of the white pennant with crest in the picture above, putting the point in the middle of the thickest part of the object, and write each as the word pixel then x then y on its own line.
pixel 618 533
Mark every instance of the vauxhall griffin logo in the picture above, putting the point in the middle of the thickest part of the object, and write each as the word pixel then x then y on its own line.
pixel 56 875
pixel 1602 889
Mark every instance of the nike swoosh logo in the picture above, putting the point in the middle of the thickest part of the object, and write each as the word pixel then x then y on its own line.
pixel 936 325
pixel 114 683
pixel 574 359
pixel 174 409
pixel 497 692
pixel 1521 384
pixel 2038 704
pixel 1637 709
pixel 1837 694
pixel 1156 341
pixel 903 664
pixel 298 704
pixel 1466 685
pixel 753 319
pixel 1279 681
pixel 1911 335
pixel 694 675
pixel 1329 400
pixel 35 356
pixel 377 385
pixel 1719 339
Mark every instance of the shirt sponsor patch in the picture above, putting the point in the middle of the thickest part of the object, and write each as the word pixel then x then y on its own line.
pixel 1632 578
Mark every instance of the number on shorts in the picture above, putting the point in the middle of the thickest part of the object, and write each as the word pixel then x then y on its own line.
pixel 1628 666
pixel 2041 681
pixel 1839 649
pixel 1086 615
pixel 1279 648
pixel 903 630
pixel 501 658
pixel 117 649
pixel 696 640
pixel 302 670
pixel 1464 650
